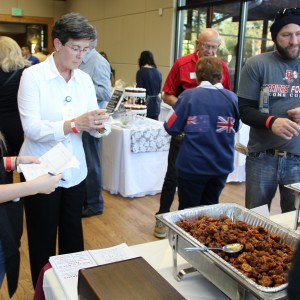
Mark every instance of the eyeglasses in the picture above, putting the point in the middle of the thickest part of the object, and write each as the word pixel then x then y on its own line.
pixel 287 11
pixel 209 47
pixel 77 49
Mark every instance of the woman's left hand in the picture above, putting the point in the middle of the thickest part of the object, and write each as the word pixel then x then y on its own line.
pixel 92 120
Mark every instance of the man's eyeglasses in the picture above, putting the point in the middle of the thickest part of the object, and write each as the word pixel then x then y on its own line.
pixel 287 11
pixel 209 47
pixel 77 49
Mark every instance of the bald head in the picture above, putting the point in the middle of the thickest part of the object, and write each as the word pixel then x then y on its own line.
pixel 209 34
pixel 208 42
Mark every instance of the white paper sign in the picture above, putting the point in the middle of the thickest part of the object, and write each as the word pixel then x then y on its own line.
pixel 67 266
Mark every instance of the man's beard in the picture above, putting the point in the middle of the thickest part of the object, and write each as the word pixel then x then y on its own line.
pixel 286 54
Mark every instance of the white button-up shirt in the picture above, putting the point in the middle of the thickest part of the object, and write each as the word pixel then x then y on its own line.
pixel 42 100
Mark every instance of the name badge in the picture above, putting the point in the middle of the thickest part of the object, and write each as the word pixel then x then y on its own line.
pixel 193 75
pixel 67 110
pixel 264 100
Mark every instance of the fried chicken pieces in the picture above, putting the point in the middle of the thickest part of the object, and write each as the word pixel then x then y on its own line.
pixel 264 259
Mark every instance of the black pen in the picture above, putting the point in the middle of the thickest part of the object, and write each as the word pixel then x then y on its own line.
pixel 52 174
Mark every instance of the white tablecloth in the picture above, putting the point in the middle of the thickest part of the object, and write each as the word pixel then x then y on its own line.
pixel 130 174
pixel 159 255
pixel 287 220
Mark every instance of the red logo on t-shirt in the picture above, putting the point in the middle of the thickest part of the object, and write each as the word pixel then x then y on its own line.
pixel 290 75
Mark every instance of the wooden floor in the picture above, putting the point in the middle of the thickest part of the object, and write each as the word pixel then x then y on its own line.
pixel 124 220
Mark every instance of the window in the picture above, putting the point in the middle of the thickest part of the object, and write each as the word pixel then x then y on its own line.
pixel 244 28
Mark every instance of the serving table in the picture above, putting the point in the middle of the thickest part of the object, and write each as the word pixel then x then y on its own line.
pixel 287 220
pixel 134 158
pixel 159 255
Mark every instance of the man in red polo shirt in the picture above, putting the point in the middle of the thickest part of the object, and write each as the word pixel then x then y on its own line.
pixel 181 77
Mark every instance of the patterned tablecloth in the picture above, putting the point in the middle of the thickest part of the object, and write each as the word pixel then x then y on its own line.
pixel 147 135
pixel 149 139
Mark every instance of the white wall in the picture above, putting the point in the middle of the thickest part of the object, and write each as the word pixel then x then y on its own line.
pixel 38 8
pixel 127 27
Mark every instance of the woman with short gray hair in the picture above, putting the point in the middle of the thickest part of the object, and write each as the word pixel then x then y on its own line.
pixel 57 102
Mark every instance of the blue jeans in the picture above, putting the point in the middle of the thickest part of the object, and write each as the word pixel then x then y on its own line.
pixel 264 173
pixel 2 263
pixel 94 199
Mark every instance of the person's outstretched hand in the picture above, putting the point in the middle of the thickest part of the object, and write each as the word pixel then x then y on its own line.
pixel 45 184
pixel 285 128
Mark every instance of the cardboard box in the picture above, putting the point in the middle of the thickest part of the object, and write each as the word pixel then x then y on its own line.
pixel 129 279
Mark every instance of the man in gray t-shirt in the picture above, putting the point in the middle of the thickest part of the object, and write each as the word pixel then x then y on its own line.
pixel 269 102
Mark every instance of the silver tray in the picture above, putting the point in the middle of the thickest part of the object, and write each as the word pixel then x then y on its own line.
pixel 222 274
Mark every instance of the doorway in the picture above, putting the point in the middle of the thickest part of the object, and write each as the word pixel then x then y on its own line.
pixel 28 30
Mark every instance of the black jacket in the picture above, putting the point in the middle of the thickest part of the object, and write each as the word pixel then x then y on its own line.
pixel 11 228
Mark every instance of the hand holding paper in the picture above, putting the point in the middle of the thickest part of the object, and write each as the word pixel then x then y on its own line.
pixel 56 160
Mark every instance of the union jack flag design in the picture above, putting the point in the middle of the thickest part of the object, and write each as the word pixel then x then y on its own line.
pixel 192 120
pixel 197 123
pixel 225 124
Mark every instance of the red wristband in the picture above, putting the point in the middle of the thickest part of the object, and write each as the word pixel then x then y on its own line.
pixel 73 126
pixel 8 166
pixel 268 121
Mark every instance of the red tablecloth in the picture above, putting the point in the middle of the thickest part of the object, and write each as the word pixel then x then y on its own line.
pixel 39 292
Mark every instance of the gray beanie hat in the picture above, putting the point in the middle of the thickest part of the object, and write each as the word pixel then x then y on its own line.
pixel 284 17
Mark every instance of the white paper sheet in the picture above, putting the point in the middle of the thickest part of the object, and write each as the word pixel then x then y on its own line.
pixel 56 160
pixel 112 254
pixel 67 266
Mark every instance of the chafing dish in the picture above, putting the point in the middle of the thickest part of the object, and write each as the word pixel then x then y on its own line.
pixel 223 275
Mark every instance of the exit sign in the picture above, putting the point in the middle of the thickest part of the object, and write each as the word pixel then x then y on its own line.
pixel 17 12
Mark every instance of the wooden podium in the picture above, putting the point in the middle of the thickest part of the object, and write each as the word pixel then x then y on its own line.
pixel 133 279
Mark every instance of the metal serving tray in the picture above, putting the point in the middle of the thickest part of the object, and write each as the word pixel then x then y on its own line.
pixel 223 275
